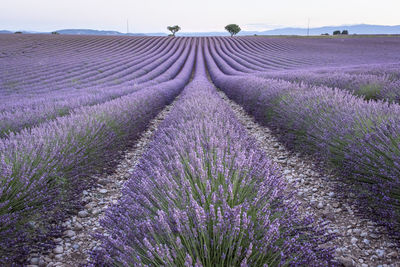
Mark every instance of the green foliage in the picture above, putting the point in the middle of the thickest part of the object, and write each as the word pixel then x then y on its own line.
pixel 369 91
pixel 344 32
pixel 173 29
pixel 233 29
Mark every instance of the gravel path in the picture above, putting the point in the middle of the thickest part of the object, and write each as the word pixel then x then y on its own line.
pixel 73 247
pixel 359 241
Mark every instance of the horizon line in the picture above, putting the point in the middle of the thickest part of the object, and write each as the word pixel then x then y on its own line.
pixel 218 31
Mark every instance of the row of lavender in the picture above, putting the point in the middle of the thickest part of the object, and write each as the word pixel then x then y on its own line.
pixel 376 83
pixel 32 98
pixel 115 64
pixel 106 53
pixel 360 139
pixel 122 58
pixel 44 64
pixel 318 52
pixel 119 53
pixel 44 168
pixel 28 111
pixel 109 53
pixel 203 194
pixel 70 49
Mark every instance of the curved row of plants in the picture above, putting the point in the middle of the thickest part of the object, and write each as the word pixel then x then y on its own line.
pixel 360 139
pixel 369 86
pixel 38 110
pixel 68 64
pixel 377 82
pixel 88 77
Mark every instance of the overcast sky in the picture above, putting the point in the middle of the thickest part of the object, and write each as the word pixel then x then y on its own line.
pixel 192 16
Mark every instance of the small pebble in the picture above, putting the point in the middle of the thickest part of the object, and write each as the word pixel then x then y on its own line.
pixel 78 226
pixel 357 231
pixel 374 236
pixel 380 253
pixel 347 262
pixel 58 250
pixel 363 234
pixel 96 211
pixel 83 213
pixel 103 191
pixel 69 233
pixel 34 261
pixel 335 205
pixel 366 241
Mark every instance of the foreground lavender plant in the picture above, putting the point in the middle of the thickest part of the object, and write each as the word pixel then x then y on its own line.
pixel 204 195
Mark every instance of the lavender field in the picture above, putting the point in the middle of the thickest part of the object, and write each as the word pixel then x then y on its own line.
pixel 204 192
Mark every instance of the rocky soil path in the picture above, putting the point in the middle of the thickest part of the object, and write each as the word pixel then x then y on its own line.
pixel 74 246
pixel 359 241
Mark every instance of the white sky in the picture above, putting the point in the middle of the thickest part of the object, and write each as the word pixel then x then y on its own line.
pixel 192 16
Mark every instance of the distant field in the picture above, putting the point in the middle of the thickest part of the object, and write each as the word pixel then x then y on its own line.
pixel 69 104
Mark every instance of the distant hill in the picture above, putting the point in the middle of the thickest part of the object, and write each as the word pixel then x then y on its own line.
pixel 96 32
pixel 352 29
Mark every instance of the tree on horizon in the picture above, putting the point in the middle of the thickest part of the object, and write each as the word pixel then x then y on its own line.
pixel 233 29
pixel 173 29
